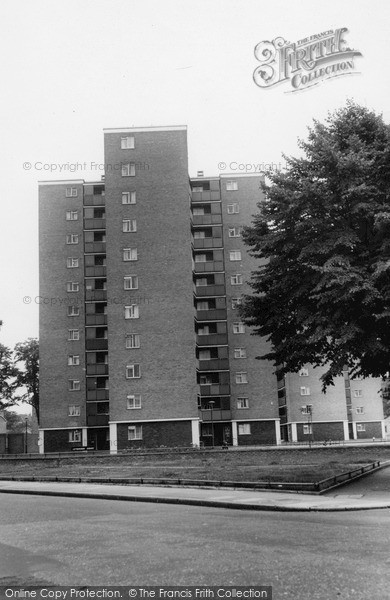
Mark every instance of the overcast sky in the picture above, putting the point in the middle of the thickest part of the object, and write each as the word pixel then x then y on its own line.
pixel 71 68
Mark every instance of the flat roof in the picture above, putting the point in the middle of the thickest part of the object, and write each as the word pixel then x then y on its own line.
pixel 140 129
pixel 61 182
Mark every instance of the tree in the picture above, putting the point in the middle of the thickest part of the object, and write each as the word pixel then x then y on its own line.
pixel 16 423
pixel 27 355
pixel 322 235
pixel 8 374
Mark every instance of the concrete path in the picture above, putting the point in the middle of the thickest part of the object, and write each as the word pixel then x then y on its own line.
pixel 371 492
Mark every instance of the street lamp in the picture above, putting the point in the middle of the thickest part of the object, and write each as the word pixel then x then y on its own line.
pixel 25 438
pixel 211 403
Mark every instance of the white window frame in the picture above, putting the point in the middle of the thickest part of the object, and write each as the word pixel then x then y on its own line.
pixel 133 340
pixel 204 330
pixel 358 393
pixel 134 402
pixel 231 185
pixel 235 255
pixel 74 436
pixel 129 225
pixel 304 372
pixel 134 432
pixel 238 327
pixel 305 391
pixel 127 142
pixel 135 369
pixel 72 238
pixel 204 355
pixel 73 360
pixel 242 402
pixel 360 410
pixel 72 215
pixel 129 197
pixel 72 263
pixel 235 232
pixel 239 352
pixel 200 258
pixel 74 385
pixel 236 302
pixel 128 169
pixel 244 429
pixel 241 377
pixel 72 286
pixel 74 335
pixel 130 282
pixel 71 192
pixel 201 282
pixel 236 279
pixel 199 235
pixel 73 310
pixel 307 429
pixel 130 254
pixel 132 311
pixel 233 209
pixel 360 427
pixel 74 410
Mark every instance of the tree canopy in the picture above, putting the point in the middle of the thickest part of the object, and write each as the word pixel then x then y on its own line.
pixel 321 294
pixel 19 375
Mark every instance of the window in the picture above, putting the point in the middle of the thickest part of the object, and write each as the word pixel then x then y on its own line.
pixel 73 360
pixel 236 279
pixel 198 211
pixel 241 377
pixel 236 302
pixel 307 410
pixel 235 231
pixel 134 401
pixel 200 258
pixel 133 340
pixel 238 327
pixel 130 282
pixel 233 208
pixel 360 427
pixel 73 311
pixel 74 334
pixel 235 255
pixel 129 198
pixel 242 402
pixel 129 225
pixel 231 186
pixel 199 235
pixel 71 263
pixel 305 391
pixel 128 142
pixel 134 432
pixel 204 355
pixel 74 385
pixel 205 380
pixel 75 435
pixel 239 352
pixel 72 286
pixel 201 281
pixel 72 238
pixel 128 170
pixel 304 372
pixel 244 429
pixel 72 215
pixel 73 411
pixel 205 330
pixel 71 192
pixel 360 410
pixel 132 311
pixel 203 305
pixel 133 371
pixel 358 393
pixel 130 254
pixel 307 429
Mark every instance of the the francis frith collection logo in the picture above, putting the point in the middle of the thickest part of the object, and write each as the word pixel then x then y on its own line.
pixel 306 62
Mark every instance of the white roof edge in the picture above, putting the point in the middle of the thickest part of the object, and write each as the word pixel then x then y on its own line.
pixel 233 175
pixel 61 182
pixel 140 129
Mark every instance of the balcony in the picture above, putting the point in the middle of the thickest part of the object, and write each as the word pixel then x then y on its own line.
pixel 215 389
pixel 99 319
pixel 91 295
pixel 209 290
pixel 213 339
pixel 97 369
pixel 94 200
pixel 97 394
pixel 94 247
pixel 96 344
pixel 95 271
pixel 218 415
pixel 211 315
pixel 97 420
pixel 207 219
pixel 214 364
pixel 205 196
pixel 207 242
pixel 94 224
pixel 208 266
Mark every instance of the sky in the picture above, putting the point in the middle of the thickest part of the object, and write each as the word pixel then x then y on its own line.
pixel 71 68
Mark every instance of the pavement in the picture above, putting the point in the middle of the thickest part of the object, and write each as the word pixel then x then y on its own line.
pixel 370 492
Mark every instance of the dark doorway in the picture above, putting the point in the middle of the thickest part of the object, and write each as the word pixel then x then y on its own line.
pixel 98 438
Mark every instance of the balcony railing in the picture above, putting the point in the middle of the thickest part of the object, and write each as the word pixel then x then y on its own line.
pixel 205 196
pixel 96 271
pixel 218 415
pixel 99 319
pixel 97 394
pixel 215 390
pixel 208 266
pixel 209 290
pixel 97 369
pixel 214 364
pixel 94 200
pixel 97 344
pixel 95 295
pixel 208 242
pixel 94 224
pixel 215 219
pixel 213 339
pixel 96 420
pixel 213 314
pixel 94 247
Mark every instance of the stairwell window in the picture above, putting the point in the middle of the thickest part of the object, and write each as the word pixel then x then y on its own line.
pixel 239 352
pixel 235 255
pixel 73 360
pixel 241 377
pixel 134 401
pixel 303 372
pixel 72 238
pixel 235 231
pixel 231 186
pixel 72 215
pixel 73 311
pixel 236 279
pixel 130 254
pixel 358 393
pixel 130 282
pixel 305 391
pixel 128 170
pixel 242 402
pixel 129 198
pixel 73 411
pixel 72 286
pixel 233 209
pixel 72 263
pixel 134 432
pixel 74 334
pixel 238 327
pixel 129 225
pixel 71 192
pixel 133 371
pixel 132 311
pixel 128 142
pixel 74 385
pixel 133 340
pixel 360 410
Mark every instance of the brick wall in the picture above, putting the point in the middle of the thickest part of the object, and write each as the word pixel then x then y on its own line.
pixel 262 432
pixel 156 434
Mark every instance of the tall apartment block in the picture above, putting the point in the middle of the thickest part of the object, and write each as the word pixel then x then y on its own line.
pixel 141 342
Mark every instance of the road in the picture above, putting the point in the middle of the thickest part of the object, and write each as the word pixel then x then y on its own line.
pixel 305 556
